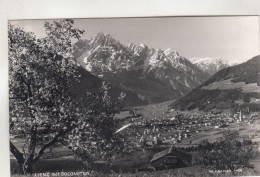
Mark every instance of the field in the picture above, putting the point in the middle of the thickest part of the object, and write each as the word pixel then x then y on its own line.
pixel 161 111
pixel 150 111
pixel 227 84
pixel 54 165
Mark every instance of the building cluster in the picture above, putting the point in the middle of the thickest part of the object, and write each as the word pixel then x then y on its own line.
pixel 173 129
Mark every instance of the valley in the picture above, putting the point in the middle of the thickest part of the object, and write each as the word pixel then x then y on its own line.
pixel 187 128
pixel 155 127
pixel 104 106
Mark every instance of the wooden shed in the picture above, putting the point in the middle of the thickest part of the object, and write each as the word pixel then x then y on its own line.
pixel 171 158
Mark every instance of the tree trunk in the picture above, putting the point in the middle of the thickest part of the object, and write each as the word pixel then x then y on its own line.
pixel 29 161
pixel 26 163
pixel 20 163
pixel 25 167
pixel 28 167
pixel 19 157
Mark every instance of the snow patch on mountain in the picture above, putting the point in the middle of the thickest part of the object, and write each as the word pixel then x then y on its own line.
pixel 210 65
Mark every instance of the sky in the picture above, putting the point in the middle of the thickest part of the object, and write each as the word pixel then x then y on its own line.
pixel 233 38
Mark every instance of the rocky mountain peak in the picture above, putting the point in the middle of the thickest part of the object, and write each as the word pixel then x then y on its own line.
pixel 103 39
pixel 210 65
pixel 170 51
pixel 137 48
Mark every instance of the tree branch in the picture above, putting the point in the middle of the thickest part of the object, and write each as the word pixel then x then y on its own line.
pixel 51 142
pixel 45 146
pixel 17 154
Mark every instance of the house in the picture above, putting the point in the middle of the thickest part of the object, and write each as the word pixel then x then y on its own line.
pixel 157 140
pixel 171 158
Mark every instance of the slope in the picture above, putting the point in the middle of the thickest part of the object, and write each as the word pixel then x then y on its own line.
pixel 89 82
pixel 235 88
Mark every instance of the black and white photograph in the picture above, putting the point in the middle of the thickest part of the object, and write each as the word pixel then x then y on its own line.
pixel 134 96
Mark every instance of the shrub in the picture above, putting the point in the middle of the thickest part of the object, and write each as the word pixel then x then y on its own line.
pixel 228 153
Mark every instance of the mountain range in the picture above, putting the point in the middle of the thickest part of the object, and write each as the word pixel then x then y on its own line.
pixel 210 65
pixel 236 87
pixel 152 75
pixel 149 75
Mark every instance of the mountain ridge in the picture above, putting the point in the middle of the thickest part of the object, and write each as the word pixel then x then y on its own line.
pixel 160 70
pixel 235 87
pixel 210 65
